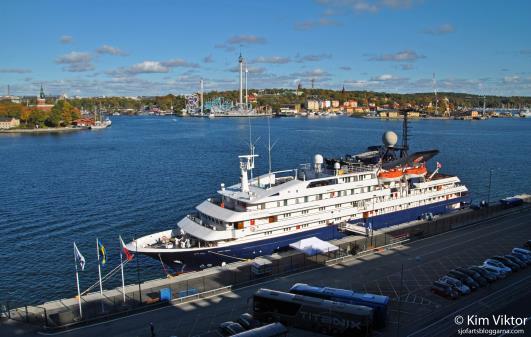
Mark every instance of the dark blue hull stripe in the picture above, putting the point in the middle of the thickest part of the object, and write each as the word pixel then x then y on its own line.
pixel 191 261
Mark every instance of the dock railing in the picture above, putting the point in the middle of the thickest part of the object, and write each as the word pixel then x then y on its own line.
pixel 219 280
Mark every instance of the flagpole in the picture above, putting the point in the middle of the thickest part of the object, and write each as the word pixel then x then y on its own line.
pixel 99 265
pixel 122 267
pixel 77 282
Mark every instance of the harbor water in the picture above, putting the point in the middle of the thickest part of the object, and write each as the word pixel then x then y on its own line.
pixel 145 173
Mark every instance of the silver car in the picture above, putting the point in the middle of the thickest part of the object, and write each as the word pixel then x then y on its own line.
pixel 456 284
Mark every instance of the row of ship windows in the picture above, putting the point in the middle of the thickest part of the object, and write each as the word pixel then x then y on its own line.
pixel 361 204
pixel 317 197
pixel 380 211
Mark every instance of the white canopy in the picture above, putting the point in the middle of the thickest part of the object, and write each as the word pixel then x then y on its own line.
pixel 312 246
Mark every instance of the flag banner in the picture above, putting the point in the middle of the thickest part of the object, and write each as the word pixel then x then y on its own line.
pixel 79 258
pixel 126 251
pixel 103 253
pixel 439 165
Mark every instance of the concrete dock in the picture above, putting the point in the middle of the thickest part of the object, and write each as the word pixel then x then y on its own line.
pixel 414 310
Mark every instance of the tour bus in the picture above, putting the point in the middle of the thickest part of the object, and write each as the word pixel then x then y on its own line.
pixel 270 330
pixel 379 303
pixel 310 313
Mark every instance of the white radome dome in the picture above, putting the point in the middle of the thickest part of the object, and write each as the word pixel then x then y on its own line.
pixel 389 139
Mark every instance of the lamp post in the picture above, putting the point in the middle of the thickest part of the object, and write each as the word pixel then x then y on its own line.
pixel 374 196
pixel 490 183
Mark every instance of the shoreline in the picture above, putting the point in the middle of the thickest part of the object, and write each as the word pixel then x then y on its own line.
pixel 44 130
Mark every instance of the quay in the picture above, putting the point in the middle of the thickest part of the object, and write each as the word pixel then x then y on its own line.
pixel 400 262
pixel 45 130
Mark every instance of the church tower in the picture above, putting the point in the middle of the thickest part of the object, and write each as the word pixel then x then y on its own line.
pixel 41 99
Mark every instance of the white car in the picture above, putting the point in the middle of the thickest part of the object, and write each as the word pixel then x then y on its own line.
pixel 494 270
pixel 497 264
pixel 522 251
pixel 456 284
pixel 521 255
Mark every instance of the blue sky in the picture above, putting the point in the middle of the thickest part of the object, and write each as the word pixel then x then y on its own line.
pixel 155 47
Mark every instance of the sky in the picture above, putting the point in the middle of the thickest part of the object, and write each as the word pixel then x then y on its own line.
pixel 158 47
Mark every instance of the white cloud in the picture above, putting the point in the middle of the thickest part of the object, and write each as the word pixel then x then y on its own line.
pixel 246 39
pixel 76 61
pixel 311 24
pixel 66 39
pixel 440 30
pixel 15 70
pixel 272 59
pixel 147 67
pixel 367 6
pixel 401 56
pixel 251 70
pixel 312 57
pixel 386 77
pixel 179 63
pixel 110 50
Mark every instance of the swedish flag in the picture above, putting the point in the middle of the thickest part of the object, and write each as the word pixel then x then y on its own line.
pixel 102 252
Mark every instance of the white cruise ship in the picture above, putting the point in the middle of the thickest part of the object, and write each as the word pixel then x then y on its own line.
pixel 265 214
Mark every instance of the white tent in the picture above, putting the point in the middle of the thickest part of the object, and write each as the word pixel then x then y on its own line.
pixel 312 246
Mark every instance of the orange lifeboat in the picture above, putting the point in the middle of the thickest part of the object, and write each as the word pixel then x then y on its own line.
pixel 391 175
pixel 415 172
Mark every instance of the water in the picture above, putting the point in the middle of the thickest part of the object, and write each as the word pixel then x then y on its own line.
pixel 145 173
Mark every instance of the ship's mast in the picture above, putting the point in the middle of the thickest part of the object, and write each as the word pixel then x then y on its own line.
pixel 405 136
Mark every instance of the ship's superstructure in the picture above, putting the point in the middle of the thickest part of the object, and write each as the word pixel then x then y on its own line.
pixel 264 214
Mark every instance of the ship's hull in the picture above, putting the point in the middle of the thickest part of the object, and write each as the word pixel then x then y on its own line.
pixel 192 260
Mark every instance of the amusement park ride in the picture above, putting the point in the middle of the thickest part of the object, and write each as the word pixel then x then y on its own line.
pixel 221 106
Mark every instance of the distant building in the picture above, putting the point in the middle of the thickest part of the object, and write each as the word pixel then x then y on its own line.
pixel 335 104
pixel 9 122
pixel 312 105
pixel 389 114
pixel 41 102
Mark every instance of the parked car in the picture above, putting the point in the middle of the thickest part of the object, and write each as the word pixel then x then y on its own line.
pixel 522 254
pixel 474 275
pixel 230 328
pixel 500 273
pixel 516 260
pixel 467 280
pixel 514 267
pixel 247 321
pixel 455 284
pixel 497 264
pixel 444 290
pixel 490 277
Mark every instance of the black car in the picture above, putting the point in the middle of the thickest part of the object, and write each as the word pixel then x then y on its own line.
pixel 516 260
pixel 473 285
pixel 230 328
pixel 248 321
pixel 475 276
pixel 488 276
pixel 508 263
pixel 444 290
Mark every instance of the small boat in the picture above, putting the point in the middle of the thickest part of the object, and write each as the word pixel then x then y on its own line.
pixel 211 115
pixel 391 175
pixel 415 172
pixel 98 125
pixel 525 113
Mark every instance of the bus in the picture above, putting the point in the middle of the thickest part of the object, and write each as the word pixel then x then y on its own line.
pixel 314 314
pixel 270 330
pixel 378 302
